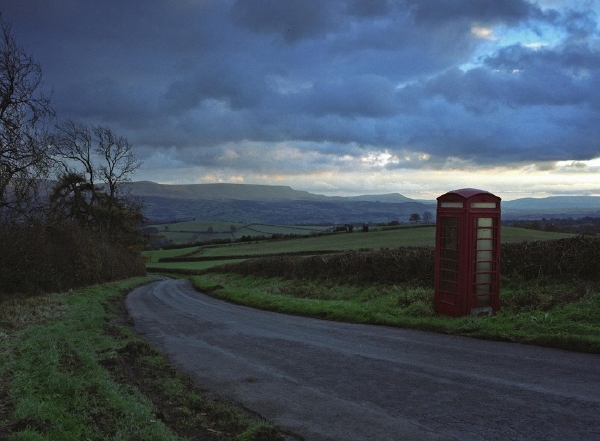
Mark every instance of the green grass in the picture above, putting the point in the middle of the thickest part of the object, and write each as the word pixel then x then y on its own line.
pixel 554 315
pixel 58 388
pixel 198 231
pixel 70 371
pixel 514 234
pixel 153 256
pixel 340 241
pixel 375 239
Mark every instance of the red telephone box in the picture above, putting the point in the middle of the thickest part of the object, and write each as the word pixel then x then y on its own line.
pixel 467 253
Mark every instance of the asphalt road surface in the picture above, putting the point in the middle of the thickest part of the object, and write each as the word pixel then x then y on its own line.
pixel 325 380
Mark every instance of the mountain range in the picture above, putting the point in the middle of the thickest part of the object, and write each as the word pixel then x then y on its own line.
pixel 282 205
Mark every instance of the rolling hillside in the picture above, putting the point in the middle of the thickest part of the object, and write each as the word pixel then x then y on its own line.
pixel 282 205
pixel 266 204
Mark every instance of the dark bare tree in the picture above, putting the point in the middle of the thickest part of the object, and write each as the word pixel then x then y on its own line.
pixel 98 154
pixel 73 150
pixel 24 156
pixel 93 163
pixel 118 160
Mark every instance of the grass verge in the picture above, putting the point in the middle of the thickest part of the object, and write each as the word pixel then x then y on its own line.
pixel 565 316
pixel 71 368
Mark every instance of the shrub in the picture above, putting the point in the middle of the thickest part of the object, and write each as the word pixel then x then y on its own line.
pixel 563 260
pixel 401 265
pixel 40 258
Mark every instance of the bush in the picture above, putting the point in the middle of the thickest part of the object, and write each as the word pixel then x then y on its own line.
pixel 401 265
pixel 40 258
pixel 563 260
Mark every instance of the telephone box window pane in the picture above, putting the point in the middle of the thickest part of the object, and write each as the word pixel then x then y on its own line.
pixel 484 255
pixel 450 243
pixel 449 275
pixel 451 205
pixel 485 244
pixel 450 222
pixel 485 222
pixel 483 278
pixel 449 239
pixel 482 289
pixel 451 265
pixel 449 254
pixel 482 267
pixel 484 233
pixel 448 286
pixel 483 300
pixel 483 205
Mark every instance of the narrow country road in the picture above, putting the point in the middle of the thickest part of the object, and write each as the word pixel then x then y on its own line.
pixel 335 381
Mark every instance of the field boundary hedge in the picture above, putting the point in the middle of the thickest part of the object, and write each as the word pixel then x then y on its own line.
pixel 41 258
pixel 189 258
pixel 563 260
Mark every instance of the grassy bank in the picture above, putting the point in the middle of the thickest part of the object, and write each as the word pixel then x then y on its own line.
pixel 72 368
pixel 565 316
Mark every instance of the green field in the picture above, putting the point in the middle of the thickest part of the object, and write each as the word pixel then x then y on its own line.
pixel 375 239
pixel 181 233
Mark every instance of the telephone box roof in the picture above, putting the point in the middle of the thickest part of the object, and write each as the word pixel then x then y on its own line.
pixel 467 193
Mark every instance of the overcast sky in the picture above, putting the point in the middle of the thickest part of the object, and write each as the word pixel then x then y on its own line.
pixel 336 97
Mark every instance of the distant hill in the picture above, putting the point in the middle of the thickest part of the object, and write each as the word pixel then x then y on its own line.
pixel 396 198
pixel 552 207
pixel 270 204
pixel 282 205
pixel 241 192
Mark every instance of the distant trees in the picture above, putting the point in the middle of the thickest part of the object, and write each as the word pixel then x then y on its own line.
pixel 415 217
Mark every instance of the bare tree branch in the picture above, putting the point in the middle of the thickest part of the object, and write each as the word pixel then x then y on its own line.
pixel 24 156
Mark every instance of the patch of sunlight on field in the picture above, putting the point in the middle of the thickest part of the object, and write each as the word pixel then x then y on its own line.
pixel 154 255
pixel 373 240
pixel 513 234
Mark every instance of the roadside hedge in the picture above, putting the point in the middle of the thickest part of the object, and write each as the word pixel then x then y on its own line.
pixel 564 260
pixel 38 258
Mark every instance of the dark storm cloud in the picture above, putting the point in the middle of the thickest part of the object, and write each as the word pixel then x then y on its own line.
pixel 486 11
pixel 293 19
pixel 334 78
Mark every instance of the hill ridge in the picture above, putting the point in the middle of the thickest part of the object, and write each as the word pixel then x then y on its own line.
pixel 235 191
pixel 281 204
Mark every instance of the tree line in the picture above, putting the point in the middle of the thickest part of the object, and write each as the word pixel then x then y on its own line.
pixel 64 219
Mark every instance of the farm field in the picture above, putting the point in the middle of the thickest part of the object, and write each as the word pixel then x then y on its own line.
pixel 181 233
pixel 375 239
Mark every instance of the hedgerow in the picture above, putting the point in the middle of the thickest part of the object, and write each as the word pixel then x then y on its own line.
pixel 562 260
pixel 41 258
